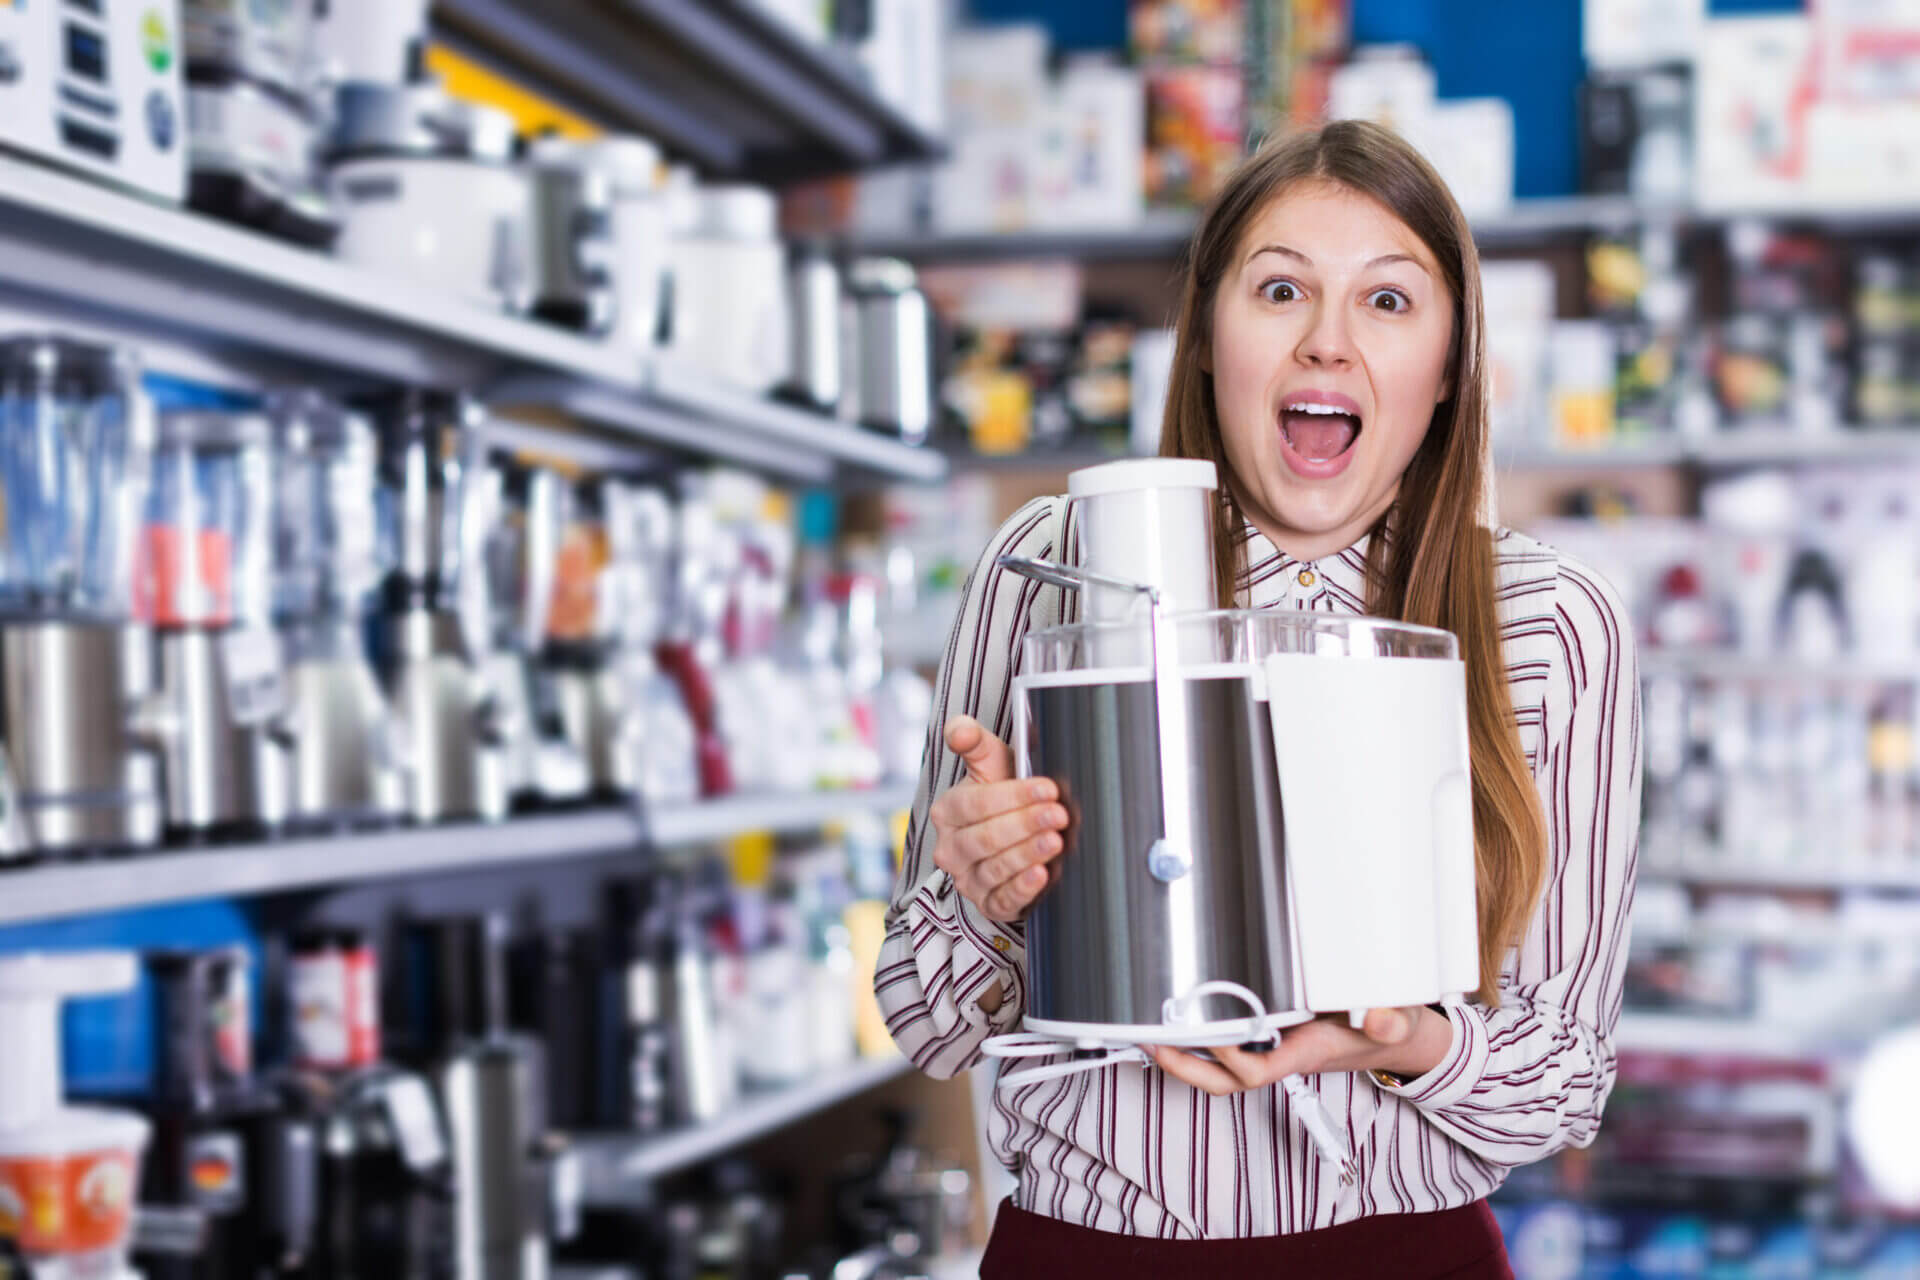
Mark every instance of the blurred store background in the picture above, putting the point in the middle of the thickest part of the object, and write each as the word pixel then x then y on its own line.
pixel 511 466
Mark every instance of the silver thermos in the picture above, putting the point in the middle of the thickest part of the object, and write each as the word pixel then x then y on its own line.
pixel 890 358
pixel 814 294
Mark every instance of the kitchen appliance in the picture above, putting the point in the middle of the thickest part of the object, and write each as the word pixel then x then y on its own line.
pixel 728 314
pixel 525 514
pixel 97 87
pixel 1182 741
pixel 637 229
pixel 428 191
pixel 230 1154
pixel 615 704
pixel 67 1173
pixel 891 386
pixel 379 41
pixel 491 1085
pixel 814 294
pixel 204 586
pixel 349 757
pixel 570 236
pixel 433 625
pixel 77 711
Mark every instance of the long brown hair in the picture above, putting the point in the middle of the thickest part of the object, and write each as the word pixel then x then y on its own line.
pixel 1435 564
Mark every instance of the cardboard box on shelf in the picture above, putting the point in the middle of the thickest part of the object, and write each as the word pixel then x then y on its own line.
pixel 1089 164
pixel 1196 130
pixel 1204 31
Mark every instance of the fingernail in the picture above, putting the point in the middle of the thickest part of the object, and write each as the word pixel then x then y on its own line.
pixel 1057 816
pixel 1041 790
pixel 1049 844
pixel 1033 877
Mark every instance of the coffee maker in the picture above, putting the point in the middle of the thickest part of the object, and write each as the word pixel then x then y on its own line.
pixel 507 1170
pixel 349 758
pixel 433 624
pixel 203 584
pixel 526 506
pixel 77 715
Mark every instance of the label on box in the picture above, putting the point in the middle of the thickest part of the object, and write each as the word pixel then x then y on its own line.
pixel 256 693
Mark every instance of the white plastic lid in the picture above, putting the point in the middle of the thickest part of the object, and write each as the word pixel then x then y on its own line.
pixel 631 163
pixel 75 1131
pixel 1142 473
pixel 31 989
pixel 738 211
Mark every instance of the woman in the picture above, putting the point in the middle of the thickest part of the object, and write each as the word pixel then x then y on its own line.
pixel 1331 364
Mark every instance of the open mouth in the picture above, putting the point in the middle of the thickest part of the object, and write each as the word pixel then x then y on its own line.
pixel 1319 430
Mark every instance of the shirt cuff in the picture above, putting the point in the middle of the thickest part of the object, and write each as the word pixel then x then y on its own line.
pixel 1004 947
pixel 1458 1072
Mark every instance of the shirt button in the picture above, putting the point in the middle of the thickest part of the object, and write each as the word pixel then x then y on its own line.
pixel 1306 578
pixel 1002 944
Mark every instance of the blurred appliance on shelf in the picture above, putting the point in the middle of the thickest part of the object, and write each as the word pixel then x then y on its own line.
pixel 428 191
pixel 607 617
pixel 372 40
pixel 97 87
pixel 204 585
pixel 637 230
pixel 814 295
pixel 433 629
pixel 68 1174
pixel 511 1180
pixel 891 387
pixel 254 118
pixel 1636 134
pixel 570 244
pixel 728 314
pixel 77 711
pixel 523 539
pixel 349 757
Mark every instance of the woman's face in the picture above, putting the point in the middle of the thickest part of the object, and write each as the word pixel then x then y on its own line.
pixel 1331 334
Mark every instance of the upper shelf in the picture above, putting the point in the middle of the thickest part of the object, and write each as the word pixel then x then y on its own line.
pixel 73 252
pixel 307 862
pixel 1164 233
pixel 721 82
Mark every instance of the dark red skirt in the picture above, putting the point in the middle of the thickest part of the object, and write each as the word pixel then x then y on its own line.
pixel 1452 1244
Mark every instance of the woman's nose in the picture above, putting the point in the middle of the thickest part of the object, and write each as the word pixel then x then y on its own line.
pixel 1326 343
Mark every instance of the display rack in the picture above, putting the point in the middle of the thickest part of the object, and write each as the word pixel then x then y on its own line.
pixel 1845 669
pixel 617 1168
pixel 1641 1032
pixel 1824 873
pixel 723 83
pixel 280 866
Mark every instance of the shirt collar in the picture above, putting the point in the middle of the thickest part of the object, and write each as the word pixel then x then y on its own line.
pixel 1271 576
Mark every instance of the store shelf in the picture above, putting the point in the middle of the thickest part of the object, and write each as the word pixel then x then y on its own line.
pixel 1162 235
pixel 1640 1032
pixel 723 83
pixel 692 412
pixel 1716 872
pixel 74 250
pixel 1846 669
pixel 278 866
pixel 618 1167
pixel 1732 448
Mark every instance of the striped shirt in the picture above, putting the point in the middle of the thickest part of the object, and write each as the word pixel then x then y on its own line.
pixel 1128 1149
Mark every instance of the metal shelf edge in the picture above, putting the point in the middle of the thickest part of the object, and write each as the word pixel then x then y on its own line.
pixel 279 866
pixel 619 1165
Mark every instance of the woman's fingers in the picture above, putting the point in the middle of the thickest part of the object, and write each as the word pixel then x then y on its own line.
pixel 1208 1077
pixel 1009 863
pixel 1009 901
pixel 988 759
pixel 971 803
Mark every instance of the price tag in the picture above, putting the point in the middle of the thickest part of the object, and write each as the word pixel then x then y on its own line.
pixel 256 691
pixel 416 1123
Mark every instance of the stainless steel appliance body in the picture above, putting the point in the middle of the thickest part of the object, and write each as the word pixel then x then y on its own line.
pixel 434 620
pixel 205 584
pixel 1112 941
pixel 492 1094
pixel 891 388
pixel 813 283
pixel 79 720
pixel 80 724
pixel 570 239
pixel 349 758
pixel 97 87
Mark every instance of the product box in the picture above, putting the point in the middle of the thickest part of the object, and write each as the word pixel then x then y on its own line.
pixel 1387 84
pixel 1088 168
pixel 1755 86
pixel 1188 31
pixel 1519 298
pixel 1470 142
pixel 1196 127
pixel 1617 34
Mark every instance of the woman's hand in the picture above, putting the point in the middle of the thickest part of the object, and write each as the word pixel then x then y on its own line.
pixel 994 833
pixel 1409 1042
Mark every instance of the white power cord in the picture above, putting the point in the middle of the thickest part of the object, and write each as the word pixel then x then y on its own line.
pixel 1179 1014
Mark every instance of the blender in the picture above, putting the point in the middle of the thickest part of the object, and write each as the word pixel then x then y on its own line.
pixel 76 715
pixel 433 624
pixel 524 529
pixel 349 763
pixel 203 584
pixel 67 1174
pixel 606 618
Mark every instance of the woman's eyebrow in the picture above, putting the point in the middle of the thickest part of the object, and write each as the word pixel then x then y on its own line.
pixel 1384 260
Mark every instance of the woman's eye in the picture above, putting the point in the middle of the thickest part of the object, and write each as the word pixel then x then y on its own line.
pixel 1280 291
pixel 1388 300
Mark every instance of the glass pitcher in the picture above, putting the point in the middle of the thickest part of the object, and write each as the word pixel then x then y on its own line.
pixel 326 560
pixel 206 551
pixel 75 445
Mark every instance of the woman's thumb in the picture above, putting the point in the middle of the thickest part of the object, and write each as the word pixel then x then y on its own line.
pixel 988 759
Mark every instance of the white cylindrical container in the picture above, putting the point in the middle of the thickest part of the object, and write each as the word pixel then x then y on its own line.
pixel 729 313
pixel 637 227
pixel 369 39
pixel 1148 520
